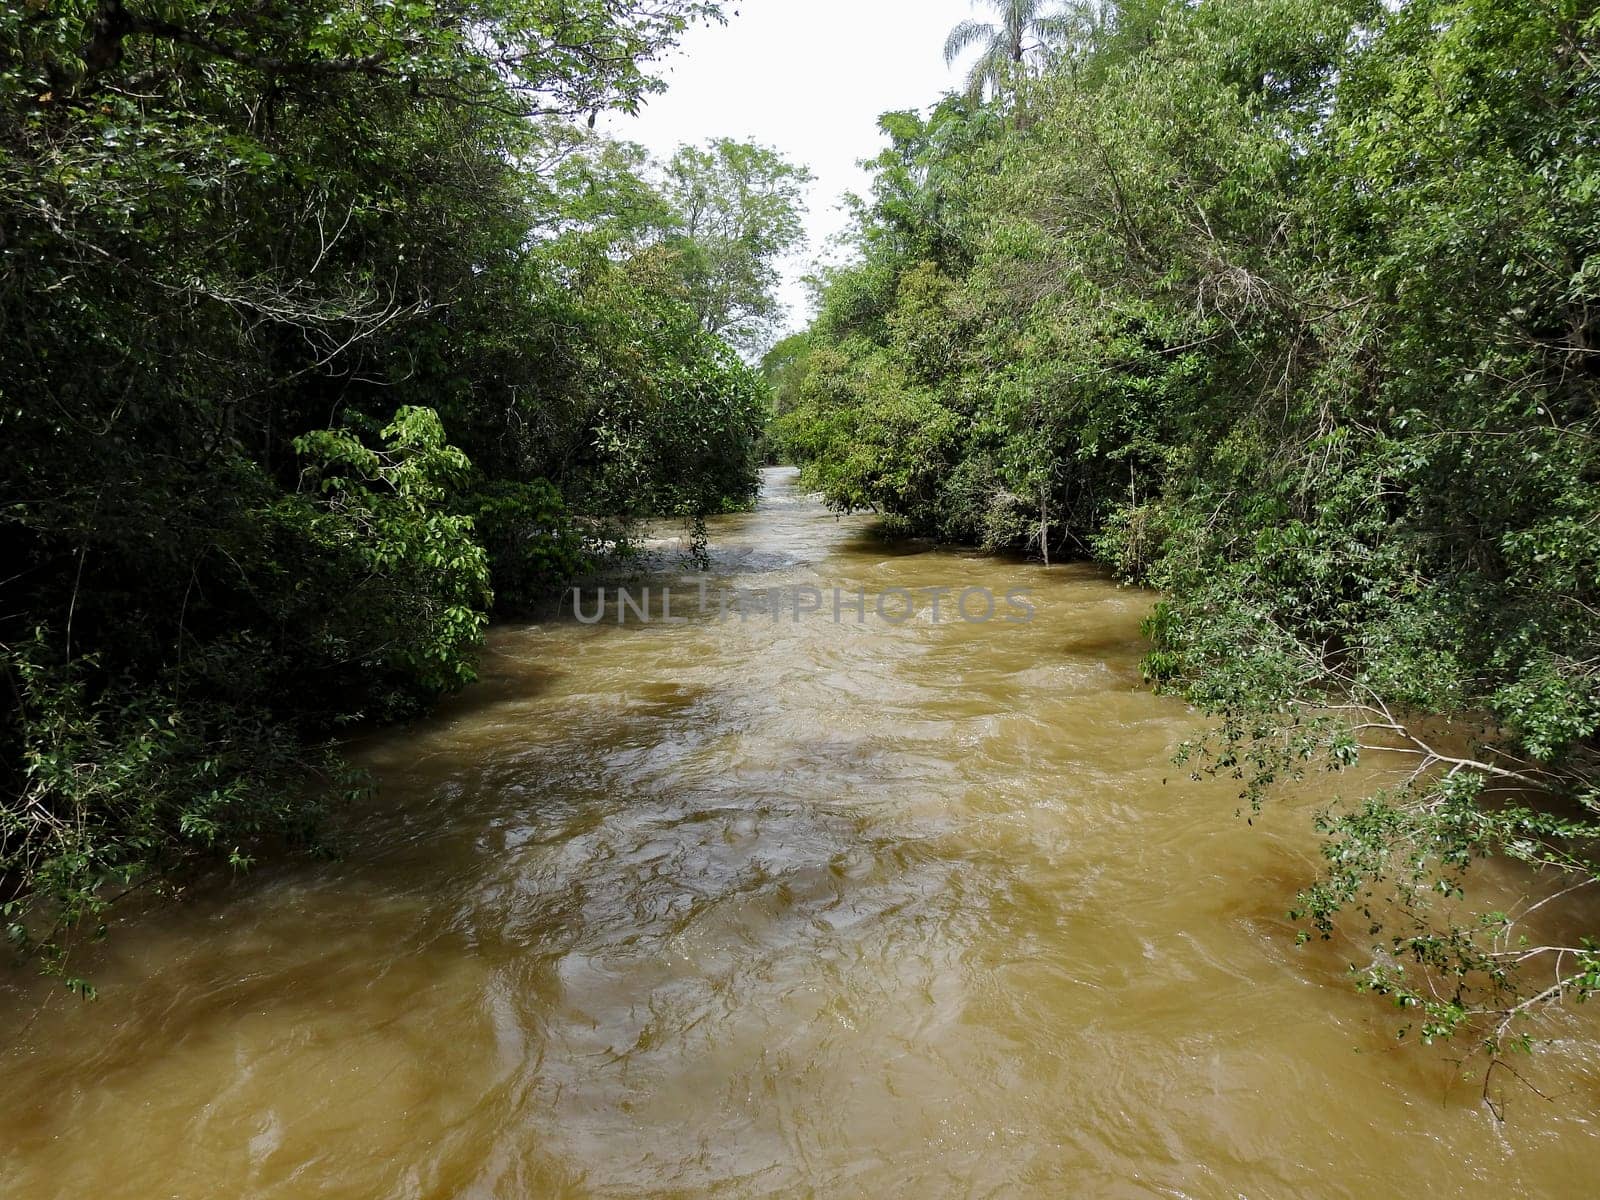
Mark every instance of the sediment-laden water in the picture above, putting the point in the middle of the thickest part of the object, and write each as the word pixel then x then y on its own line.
pixel 756 906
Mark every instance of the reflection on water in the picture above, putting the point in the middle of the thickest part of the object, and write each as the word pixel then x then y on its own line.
pixel 775 909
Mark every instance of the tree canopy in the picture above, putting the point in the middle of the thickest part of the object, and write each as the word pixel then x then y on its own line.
pixel 1027 29
pixel 738 208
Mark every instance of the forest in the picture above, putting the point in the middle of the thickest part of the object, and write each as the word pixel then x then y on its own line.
pixel 330 331
pixel 1289 309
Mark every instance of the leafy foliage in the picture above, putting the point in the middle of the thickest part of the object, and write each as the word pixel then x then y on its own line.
pixel 737 208
pixel 322 338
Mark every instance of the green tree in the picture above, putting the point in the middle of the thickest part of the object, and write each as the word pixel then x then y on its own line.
pixel 1026 29
pixel 738 208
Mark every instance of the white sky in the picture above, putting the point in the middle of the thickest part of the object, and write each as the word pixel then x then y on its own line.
pixel 808 77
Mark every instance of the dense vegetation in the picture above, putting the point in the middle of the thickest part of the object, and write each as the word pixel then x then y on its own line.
pixel 327 329
pixel 1290 308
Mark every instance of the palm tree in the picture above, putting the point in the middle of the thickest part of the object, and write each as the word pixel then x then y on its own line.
pixel 1025 28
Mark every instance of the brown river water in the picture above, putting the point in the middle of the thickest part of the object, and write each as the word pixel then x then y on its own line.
pixel 751 908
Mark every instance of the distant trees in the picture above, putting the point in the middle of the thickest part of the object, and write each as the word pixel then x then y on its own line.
pixel 737 208
pixel 716 218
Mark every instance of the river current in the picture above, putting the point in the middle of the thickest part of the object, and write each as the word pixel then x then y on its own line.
pixel 758 903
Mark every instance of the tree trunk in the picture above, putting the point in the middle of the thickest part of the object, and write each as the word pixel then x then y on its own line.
pixel 1044 523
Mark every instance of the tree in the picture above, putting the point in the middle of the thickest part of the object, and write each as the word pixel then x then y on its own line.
pixel 1025 29
pixel 738 209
